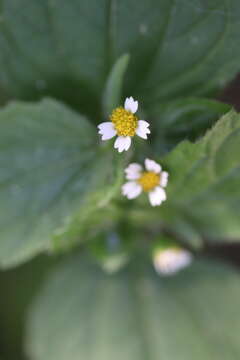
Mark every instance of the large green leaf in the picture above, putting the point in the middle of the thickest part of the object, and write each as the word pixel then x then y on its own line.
pixel 67 48
pixel 205 181
pixel 136 315
pixel 55 179
pixel 186 118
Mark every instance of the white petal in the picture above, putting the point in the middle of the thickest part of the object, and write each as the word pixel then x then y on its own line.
pixel 142 129
pixel 151 165
pixel 144 124
pixel 157 196
pixel 106 129
pixel 163 179
pixel 122 143
pixel 131 189
pixel 131 105
pixel 133 171
pixel 170 261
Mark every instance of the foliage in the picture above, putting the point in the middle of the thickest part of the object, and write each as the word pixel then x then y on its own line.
pixel 64 65
pixel 136 315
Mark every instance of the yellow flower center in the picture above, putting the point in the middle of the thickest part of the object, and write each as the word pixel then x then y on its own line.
pixel 149 180
pixel 124 122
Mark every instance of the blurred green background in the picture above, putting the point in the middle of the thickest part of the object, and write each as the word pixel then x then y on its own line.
pixel 60 188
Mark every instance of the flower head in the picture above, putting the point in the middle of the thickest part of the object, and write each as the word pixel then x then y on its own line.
pixel 170 260
pixel 152 180
pixel 125 124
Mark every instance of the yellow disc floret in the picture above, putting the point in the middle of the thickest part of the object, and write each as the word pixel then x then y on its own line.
pixel 149 180
pixel 124 122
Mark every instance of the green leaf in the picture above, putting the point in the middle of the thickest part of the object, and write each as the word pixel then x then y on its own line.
pixel 67 48
pixel 205 181
pixel 55 180
pixel 112 93
pixel 186 118
pixel 136 314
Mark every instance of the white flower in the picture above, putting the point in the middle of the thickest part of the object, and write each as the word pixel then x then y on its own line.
pixel 170 260
pixel 152 180
pixel 125 125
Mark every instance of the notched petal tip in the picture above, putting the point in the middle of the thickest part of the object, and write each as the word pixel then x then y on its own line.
pixel 157 196
pixel 164 179
pixel 133 171
pixel 152 165
pixel 122 143
pixel 131 105
pixel 107 130
pixel 131 190
pixel 142 129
